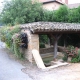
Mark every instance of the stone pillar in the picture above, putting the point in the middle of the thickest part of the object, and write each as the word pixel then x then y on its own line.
pixel 33 43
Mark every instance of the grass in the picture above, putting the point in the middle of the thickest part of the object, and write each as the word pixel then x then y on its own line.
pixel 47 60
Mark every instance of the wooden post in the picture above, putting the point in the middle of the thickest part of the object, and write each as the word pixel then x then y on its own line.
pixel 64 41
pixel 55 47
pixel 50 39
pixel 56 38
pixel 49 42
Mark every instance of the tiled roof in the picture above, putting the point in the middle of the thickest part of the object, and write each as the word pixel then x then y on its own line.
pixel 51 27
pixel 45 0
pixel 50 1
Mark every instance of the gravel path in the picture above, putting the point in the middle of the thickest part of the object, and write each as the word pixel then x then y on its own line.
pixel 9 68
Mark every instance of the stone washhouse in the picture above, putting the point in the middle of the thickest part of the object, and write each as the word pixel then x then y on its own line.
pixel 53 29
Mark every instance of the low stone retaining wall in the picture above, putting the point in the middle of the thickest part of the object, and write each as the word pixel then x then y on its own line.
pixel 48 52
pixel 51 49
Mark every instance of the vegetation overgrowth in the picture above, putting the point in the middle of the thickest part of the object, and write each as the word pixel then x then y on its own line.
pixel 7 33
pixel 24 11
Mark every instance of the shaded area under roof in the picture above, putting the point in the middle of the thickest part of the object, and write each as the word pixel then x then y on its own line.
pixel 42 27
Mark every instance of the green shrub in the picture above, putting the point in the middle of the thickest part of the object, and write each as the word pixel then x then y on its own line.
pixel 43 39
pixel 3 32
pixel 6 36
pixel 65 58
pixel 9 35
pixel 42 45
pixel 74 60
pixel 17 48
pixel 72 52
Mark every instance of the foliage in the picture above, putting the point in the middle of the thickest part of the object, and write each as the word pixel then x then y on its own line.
pixel 72 52
pixel 74 15
pixel 24 11
pixel 64 14
pixel 16 48
pixel 3 31
pixel 76 58
pixel 7 34
pixel 61 15
pixel 21 11
pixel 42 45
pixel 65 58
pixel 43 39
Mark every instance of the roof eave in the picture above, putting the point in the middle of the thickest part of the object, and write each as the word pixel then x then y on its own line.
pixel 51 2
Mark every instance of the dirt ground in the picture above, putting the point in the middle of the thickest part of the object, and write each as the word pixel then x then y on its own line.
pixel 68 72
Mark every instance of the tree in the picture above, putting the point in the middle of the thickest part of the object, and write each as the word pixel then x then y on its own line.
pixel 21 11
pixel 74 15
pixel 61 15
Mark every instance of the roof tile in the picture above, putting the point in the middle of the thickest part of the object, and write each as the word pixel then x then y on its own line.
pixel 51 26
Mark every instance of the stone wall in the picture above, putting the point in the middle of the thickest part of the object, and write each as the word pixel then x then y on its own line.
pixel 51 49
pixel 46 50
pixel 33 43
